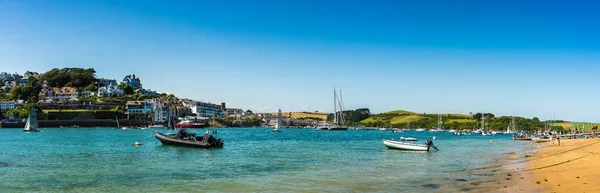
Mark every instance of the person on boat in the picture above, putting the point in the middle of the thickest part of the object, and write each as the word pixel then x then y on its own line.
pixel 206 137
pixel 181 134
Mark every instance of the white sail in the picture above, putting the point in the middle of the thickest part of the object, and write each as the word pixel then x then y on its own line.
pixel 277 121
pixel 32 124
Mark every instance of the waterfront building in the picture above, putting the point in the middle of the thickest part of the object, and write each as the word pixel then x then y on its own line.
pixel 182 111
pixel 160 110
pixel 140 112
pixel 111 90
pixel 206 109
pixel 133 81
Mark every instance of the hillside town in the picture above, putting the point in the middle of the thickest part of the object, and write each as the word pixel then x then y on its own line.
pixel 66 100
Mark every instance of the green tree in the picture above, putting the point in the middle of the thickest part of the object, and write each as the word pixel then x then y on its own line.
pixel 16 93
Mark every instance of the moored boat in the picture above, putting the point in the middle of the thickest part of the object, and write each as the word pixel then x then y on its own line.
pixel 183 138
pixel 190 124
pixel 408 146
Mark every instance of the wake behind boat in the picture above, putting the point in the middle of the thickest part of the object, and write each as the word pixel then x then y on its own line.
pixel 390 144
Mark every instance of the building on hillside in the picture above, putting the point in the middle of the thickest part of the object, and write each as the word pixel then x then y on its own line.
pixel 8 85
pixel 22 82
pixel 234 112
pixel 86 94
pixel 206 109
pixel 29 74
pixel 58 94
pixel 146 92
pixel 111 90
pixel 5 105
pixel 3 76
pixel 65 93
pixel 133 81
pixel 139 112
pixel 105 82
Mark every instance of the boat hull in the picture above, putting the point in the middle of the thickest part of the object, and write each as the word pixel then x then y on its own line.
pixel 31 130
pixel 171 140
pixel 405 146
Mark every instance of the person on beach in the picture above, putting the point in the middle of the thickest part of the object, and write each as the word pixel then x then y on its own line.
pixel 558 138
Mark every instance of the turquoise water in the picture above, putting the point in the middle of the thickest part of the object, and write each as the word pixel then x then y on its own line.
pixel 252 160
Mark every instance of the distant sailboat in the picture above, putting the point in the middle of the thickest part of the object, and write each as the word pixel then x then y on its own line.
pixel 277 122
pixel 117 119
pixel 338 116
pixel 32 124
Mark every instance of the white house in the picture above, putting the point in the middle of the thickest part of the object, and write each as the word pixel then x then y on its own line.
pixel 112 90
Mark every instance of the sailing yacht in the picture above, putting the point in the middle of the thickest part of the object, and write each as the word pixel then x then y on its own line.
pixel 32 124
pixel 277 122
pixel 338 116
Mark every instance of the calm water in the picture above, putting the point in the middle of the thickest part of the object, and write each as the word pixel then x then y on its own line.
pixel 252 160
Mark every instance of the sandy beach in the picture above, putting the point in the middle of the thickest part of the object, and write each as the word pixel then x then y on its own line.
pixel 572 167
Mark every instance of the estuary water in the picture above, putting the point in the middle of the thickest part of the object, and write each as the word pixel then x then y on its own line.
pixel 252 160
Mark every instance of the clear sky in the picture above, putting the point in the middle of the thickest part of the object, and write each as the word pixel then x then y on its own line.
pixel 509 57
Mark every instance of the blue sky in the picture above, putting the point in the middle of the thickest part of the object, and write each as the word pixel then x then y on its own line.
pixel 508 57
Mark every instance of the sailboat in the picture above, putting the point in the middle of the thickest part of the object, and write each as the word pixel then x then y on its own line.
pixel 277 122
pixel 512 128
pixel 32 124
pixel 338 116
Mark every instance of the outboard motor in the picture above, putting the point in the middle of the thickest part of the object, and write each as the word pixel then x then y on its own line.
pixel 430 144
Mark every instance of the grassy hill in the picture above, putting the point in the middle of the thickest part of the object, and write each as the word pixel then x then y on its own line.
pixel 401 118
pixel 299 115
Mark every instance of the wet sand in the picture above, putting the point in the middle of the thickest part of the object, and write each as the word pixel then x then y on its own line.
pixel 572 167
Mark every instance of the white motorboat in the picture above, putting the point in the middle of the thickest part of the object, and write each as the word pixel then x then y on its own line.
pixel 452 131
pixel 408 139
pixel 419 129
pixel 408 146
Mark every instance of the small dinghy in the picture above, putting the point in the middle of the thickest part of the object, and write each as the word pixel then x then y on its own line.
pixel 408 139
pixel 183 138
pixel 409 146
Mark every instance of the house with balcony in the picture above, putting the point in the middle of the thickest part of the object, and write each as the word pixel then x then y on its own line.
pixel 58 94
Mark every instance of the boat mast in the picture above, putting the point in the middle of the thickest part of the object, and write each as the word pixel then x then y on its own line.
pixel 334 106
pixel 440 120
pixel 341 104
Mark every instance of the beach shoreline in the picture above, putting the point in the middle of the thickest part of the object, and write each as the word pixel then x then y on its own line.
pixel 570 167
